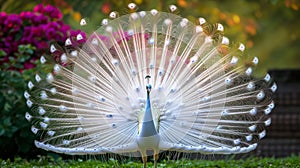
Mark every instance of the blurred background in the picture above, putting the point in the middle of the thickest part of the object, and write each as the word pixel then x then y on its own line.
pixel 270 29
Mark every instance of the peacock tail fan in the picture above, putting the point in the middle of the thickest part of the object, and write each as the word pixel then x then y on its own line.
pixel 204 97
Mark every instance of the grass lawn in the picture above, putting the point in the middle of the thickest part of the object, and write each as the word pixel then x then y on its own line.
pixel 292 162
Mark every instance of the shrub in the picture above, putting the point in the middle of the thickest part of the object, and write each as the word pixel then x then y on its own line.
pixel 23 39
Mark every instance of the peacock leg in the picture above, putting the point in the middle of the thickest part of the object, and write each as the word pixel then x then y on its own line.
pixel 155 158
pixel 144 158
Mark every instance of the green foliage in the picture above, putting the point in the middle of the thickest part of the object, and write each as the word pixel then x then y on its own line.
pixel 20 58
pixel 13 127
pixel 15 134
pixel 289 162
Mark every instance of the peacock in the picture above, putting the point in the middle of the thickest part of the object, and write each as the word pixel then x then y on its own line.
pixel 150 81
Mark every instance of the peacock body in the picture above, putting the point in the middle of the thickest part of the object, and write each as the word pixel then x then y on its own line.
pixel 150 81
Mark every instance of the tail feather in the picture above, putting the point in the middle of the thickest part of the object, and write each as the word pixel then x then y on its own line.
pixel 204 97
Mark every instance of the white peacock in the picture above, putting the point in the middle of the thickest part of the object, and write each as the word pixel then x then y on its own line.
pixel 203 96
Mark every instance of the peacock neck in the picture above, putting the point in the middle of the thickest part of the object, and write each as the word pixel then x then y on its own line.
pixel 148 127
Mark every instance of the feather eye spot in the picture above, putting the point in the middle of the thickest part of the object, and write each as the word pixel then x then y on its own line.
pixel 63 58
pixel 133 72
pixel 43 125
pixel 75 91
pixel 26 95
pixel 95 42
pixel 74 53
pixel 248 71
pixel 268 122
pixel 115 62
pixel 42 60
pixel 68 42
pixel 56 68
pixel 79 129
pixel 255 60
pixel 113 15
pixel 66 142
pixel 234 60
pixel 104 22
pixel 252 128
pixel 167 21
pixel 92 79
pixel 29 103
pixel 268 111
pixel 225 41
pixel 173 90
pixel 34 130
pixel 63 108
pixel 228 81
pixel 236 141
pixel 161 72
pixel 28 116
pixel 83 22
pixel 90 105
pixel 52 48
pixel 253 111
pixel 184 22
pixel 53 91
pixel 225 112
pixel 220 27
pixel 267 78
pixel 260 95
pixel 242 47
pixel 43 95
pixel 153 12
pixel 30 85
pixel 206 98
pixel 51 133
pixel 274 87
pixel 202 21
pixel 109 116
pixel 151 66
pixel 271 105
pixel 262 134
pixel 151 41
pixel 249 138
pixel 41 110
pixel 173 8
pixel 142 14
pixel 134 16
pixel 130 32
pixel 37 78
pixel 50 78
pixel 46 119
pixel 132 6
pixel 109 29
pixel 102 99
pixel 251 86
pixel 199 29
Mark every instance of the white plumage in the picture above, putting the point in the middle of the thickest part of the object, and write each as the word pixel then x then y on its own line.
pixel 202 96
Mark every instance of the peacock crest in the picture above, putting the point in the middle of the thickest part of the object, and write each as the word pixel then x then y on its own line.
pixel 149 80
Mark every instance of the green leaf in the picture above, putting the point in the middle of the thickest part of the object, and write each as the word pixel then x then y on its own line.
pixel 7 122
pixel 7 106
pixel 2 53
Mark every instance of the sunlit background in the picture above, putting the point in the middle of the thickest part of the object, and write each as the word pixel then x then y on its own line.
pixel 268 28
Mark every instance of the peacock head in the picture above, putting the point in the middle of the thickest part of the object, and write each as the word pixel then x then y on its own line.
pixel 148 86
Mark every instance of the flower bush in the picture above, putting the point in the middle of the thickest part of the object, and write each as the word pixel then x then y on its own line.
pixel 37 28
pixel 24 37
